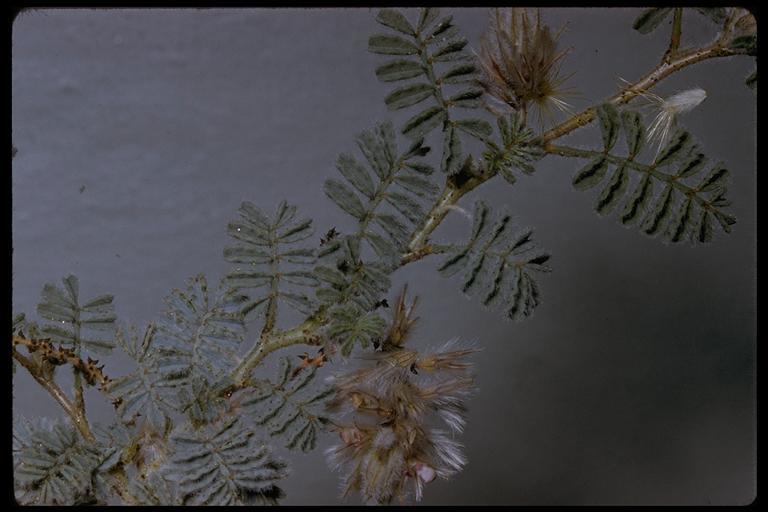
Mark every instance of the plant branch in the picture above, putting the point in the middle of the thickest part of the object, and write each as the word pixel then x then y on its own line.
pixel 453 191
pixel 305 333
pixel 662 71
pixel 421 252
pixel 674 40
pixel 469 178
pixel 302 334
pixel 92 374
pixel 456 186
pixel 79 402
pixel 48 383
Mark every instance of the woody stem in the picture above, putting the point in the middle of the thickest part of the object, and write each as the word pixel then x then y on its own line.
pixel 78 419
pixel 674 40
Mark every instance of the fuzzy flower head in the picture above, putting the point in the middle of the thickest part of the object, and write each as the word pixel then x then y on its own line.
pixel 389 445
pixel 521 63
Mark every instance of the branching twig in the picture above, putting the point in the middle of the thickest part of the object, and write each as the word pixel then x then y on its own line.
pixel 684 59
pixel 421 252
pixel 674 40
pixel 57 356
pixel 93 374
pixel 55 391
pixel 302 334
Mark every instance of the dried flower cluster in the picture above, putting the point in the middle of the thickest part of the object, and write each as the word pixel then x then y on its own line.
pixel 521 63
pixel 388 446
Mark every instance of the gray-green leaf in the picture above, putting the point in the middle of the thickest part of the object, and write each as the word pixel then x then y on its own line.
pixel 391 45
pixel 344 198
pixel 650 19
pixel 399 70
pixel 408 95
pixel 609 124
pixel 394 19
pixel 423 122
pixel 591 174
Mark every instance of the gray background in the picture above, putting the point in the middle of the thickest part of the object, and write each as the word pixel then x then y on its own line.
pixel 632 384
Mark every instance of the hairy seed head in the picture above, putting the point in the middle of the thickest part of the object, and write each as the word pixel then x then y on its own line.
pixel 520 62
pixel 393 400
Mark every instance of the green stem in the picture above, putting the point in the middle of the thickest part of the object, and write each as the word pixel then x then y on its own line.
pixel 424 250
pixel 56 392
pixel 456 187
pixel 78 379
pixel 303 333
pixel 674 40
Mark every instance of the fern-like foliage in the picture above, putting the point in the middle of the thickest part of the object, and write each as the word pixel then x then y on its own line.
pixel 135 451
pixel 223 463
pixel 140 396
pixel 350 327
pixel 351 286
pixel 84 327
pixel 498 264
pixel 347 279
pixel 394 179
pixel 690 200
pixel 199 336
pixel 276 269
pixel 288 407
pixel 154 490
pixel 418 50
pixel 117 449
pixel 205 401
pixel 52 464
pixel 516 150
pixel 115 439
